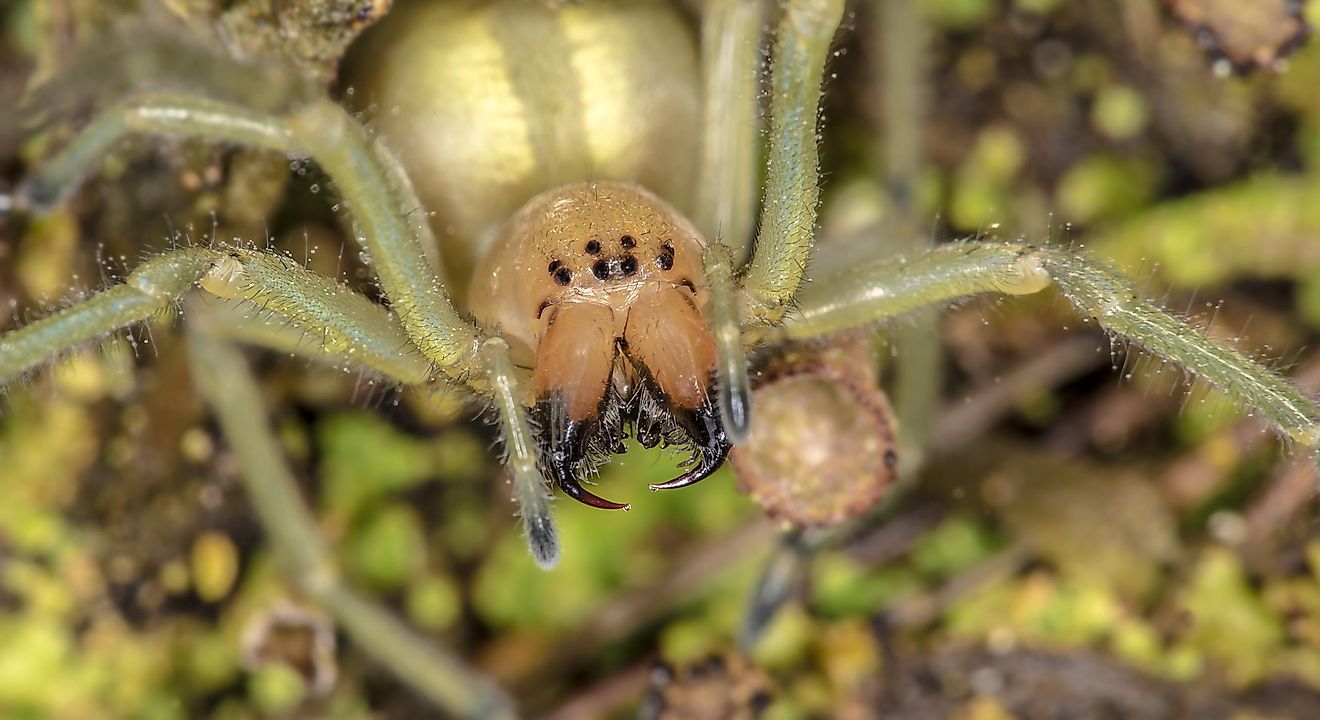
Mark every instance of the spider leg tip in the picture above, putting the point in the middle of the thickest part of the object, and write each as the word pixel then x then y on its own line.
pixel 543 541
pixel 735 414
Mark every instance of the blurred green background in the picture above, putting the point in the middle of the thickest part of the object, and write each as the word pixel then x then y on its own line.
pixel 1087 538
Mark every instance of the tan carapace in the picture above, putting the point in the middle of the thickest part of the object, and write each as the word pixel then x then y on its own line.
pixel 598 288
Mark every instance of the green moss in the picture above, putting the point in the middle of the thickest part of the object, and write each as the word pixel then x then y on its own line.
pixel 956 544
pixel 841 587
pixel 276 689
pixel 1120 112
pixel 1101 187
pixel 1229 622
pixel 433 602
pixel 366 460
pixel 958 14
pixel 387 549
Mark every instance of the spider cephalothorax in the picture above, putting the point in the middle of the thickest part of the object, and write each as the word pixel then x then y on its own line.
pixel 598 288
pixel 597 309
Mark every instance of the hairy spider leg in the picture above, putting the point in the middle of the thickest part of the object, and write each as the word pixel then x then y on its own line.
pixel 276 304
pixel 273 302
pixel 372 189
pixel 728 176
pixel 788 211
pixel 153 286
pixel 520 450
pixel 226 383
pixel 733 387
pixel 380 201
pixel 863 295
pixel 901 34
pixel 727 185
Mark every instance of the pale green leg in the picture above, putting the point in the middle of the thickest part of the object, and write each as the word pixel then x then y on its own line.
pixel 787 231
pixel 223 377
pixel 322 131
pixel 275 303
pixel 733 386
pixel 727 186
pixel 529 489
pixel 386 214
pixel 153 286
pixel 417 295
pixel 148 113
pixel 788 211
pixel 420 300
pixel 917 375
pixel 727 181
pixel 899 33
pixel 295 310
pixel 414 214
pixel 890 288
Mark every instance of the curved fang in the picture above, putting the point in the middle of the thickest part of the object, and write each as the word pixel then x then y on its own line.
pixel 573 489
pixel 707 432
pixel 567 448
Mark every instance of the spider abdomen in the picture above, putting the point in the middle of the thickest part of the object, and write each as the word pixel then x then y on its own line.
pixel 488 104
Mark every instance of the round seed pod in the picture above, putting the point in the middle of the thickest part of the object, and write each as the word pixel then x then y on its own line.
pixel 822 448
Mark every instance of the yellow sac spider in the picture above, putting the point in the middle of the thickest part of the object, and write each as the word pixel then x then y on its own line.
pixel 561 278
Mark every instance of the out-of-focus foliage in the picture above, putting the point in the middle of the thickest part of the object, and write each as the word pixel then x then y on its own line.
pixel 1101 546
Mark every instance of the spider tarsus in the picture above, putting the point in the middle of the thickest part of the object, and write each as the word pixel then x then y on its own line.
pixel 735 410
pixel 543 540
pixel 34 197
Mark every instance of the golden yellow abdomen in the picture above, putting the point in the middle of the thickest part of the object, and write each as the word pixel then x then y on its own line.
pixel 489 104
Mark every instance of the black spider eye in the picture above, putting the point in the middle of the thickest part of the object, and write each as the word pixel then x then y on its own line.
pixel 629 265
pixel 593 247
pixel 555 265
pixel 601 269
pixel 563 275
pixel 628 242
pixel 666 259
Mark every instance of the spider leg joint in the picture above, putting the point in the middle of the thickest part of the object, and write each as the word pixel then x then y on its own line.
pixel 1028 275
pixel 224 276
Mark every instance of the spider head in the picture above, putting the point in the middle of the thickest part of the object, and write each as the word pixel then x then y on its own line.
pixel 601 285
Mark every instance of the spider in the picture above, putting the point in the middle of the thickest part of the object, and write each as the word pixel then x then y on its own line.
pixel 593 309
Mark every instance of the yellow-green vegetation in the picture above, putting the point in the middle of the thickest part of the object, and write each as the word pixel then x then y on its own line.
pixel 1085 537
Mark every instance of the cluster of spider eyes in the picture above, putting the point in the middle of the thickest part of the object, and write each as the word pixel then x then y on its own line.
pixel 604 269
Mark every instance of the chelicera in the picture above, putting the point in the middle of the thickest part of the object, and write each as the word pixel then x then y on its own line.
pixel 617 343
pixel 560 280
pixel 592 271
